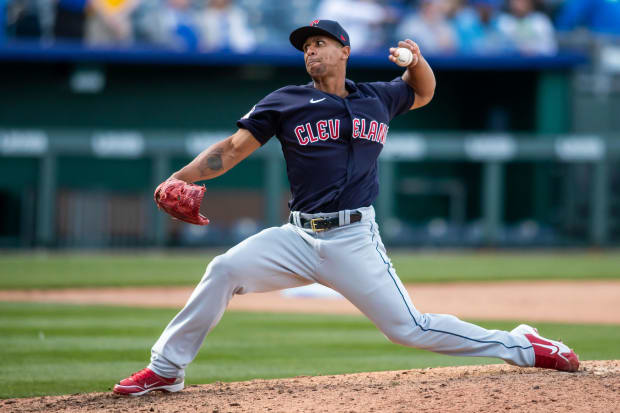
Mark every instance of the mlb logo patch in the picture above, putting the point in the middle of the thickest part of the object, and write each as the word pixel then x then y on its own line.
pixel 314 22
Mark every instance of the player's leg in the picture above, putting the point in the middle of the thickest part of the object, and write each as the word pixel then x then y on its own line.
pixel 274 259
pixel 356 265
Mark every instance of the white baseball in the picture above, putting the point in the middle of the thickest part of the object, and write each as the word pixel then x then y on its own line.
pixel 404 57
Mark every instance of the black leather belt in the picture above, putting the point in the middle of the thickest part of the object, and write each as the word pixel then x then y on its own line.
pixel 318 224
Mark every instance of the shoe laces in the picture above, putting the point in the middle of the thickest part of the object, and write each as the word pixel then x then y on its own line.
pixel 140 374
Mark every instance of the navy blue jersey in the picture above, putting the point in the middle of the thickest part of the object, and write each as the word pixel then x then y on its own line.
pixel 330 144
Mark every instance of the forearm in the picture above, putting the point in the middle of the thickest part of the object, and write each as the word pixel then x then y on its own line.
pixel 208 164
pixel 218 158
pixel 421 78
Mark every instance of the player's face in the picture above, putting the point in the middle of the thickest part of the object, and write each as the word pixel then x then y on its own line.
pixel 324 55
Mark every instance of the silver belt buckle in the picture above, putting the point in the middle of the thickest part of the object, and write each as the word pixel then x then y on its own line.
pixel 313 222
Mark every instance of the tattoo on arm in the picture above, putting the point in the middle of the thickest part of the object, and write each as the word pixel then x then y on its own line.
pixel 213 161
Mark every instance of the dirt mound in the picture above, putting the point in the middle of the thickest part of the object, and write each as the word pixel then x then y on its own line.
pixel 496 388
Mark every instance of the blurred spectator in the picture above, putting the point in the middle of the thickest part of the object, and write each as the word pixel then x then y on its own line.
pixel 70 19
pixel 109 22
pixel 172 23
pixel 22 19
pixel 466 23
pixel 224 26
pixel 600 16
pixel 429 27
pixel 439 26
pixel 272 21
pixel 363 19
pixel 477 27
pixel 531 32
pixel 550 7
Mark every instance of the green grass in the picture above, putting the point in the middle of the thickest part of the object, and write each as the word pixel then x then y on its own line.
pixel 59 349
pixel 152 269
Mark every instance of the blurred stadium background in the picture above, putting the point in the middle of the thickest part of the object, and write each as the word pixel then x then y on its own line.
pixel 103 99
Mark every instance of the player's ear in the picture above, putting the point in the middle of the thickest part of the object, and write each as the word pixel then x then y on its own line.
pixel 346 52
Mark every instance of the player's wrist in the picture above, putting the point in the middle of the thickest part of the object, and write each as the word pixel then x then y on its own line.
pixel 180 175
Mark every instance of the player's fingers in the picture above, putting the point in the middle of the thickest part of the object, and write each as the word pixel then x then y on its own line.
pixel 405 45
pixel 392 58
pixel 415 48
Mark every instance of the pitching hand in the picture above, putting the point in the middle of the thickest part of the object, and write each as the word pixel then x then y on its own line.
pixel 408 44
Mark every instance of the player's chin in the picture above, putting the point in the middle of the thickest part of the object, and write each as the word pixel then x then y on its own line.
pixel 316 69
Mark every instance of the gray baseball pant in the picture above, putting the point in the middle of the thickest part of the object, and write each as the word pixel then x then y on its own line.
pixel 350 259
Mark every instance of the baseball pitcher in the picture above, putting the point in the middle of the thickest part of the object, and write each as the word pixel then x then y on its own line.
pixel 331 131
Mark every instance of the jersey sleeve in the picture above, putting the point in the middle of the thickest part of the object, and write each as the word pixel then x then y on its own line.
pixel 263 119
pixel 397 95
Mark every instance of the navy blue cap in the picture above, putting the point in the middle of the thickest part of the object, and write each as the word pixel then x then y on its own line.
pixel 330 28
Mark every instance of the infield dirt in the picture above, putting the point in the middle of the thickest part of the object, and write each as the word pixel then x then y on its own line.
pixel 496 388
pixel 551 301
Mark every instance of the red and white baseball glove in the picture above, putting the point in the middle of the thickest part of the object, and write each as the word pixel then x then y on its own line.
pixel 181 200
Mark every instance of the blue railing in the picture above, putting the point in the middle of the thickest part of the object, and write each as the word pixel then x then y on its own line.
pixel 35 51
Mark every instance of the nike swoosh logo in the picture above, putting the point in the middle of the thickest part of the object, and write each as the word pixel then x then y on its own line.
pixel 316 101
pixel 554 349
pixel 147 386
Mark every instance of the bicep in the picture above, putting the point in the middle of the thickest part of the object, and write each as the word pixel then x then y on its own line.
pixel 243 144
pixel 420 101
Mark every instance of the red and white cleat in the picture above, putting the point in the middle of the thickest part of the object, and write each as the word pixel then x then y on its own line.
pixel 550 354
pixel 145 381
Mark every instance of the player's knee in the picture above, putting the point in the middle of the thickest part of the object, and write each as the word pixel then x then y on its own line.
pixel 219 270
pixel 402 334
pixel 411 334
